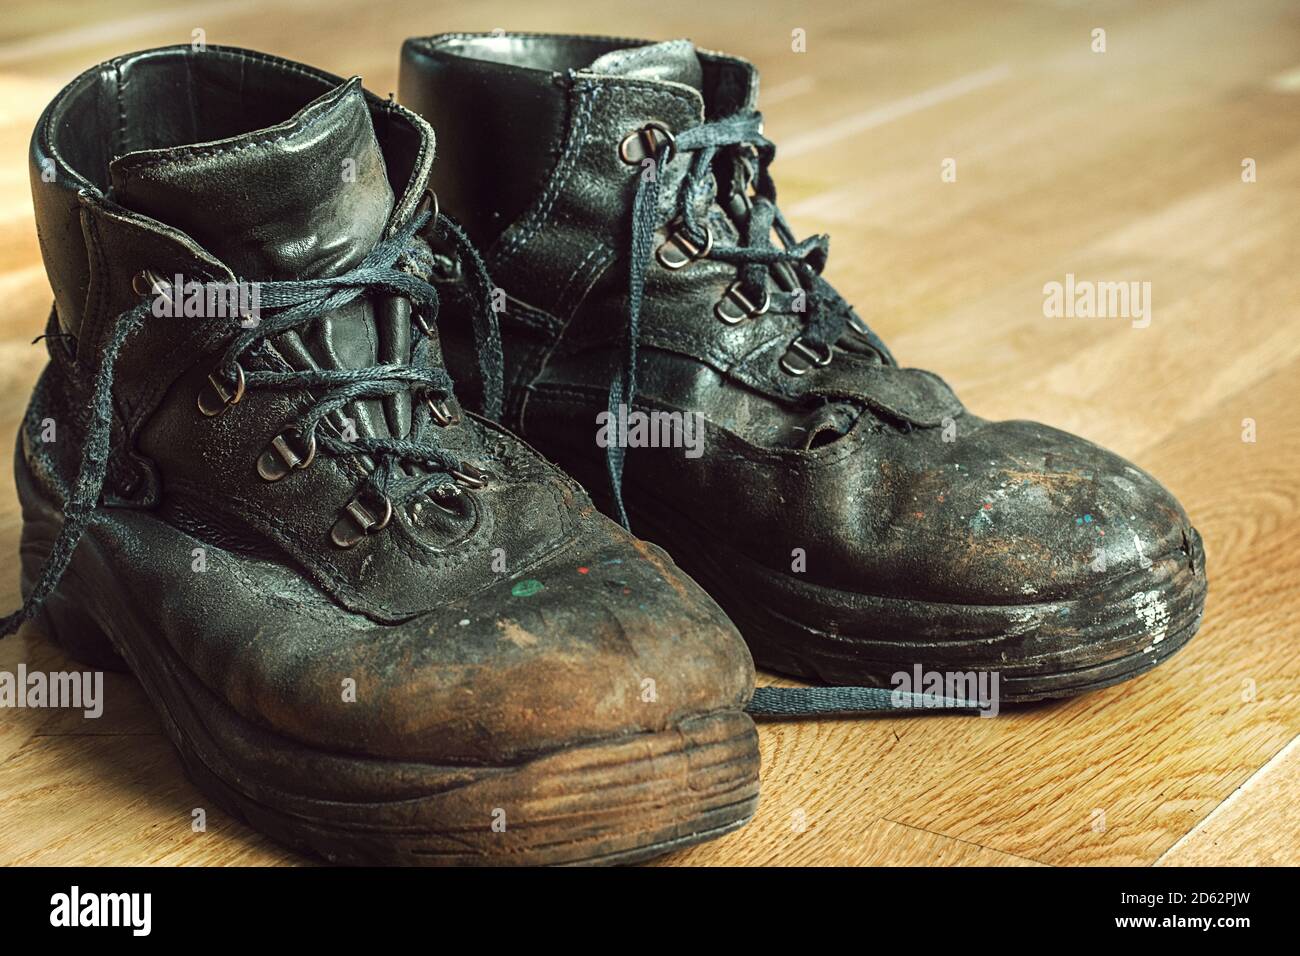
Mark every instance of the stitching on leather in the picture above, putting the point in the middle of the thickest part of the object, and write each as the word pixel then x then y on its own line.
pixel 119 134
pixel 564 289
pixel 256 511
pixel 580 282
pixel 537 216
pixel 691 346
pixel 97 281
pixel 419 553
pixel 823 457
pixel 533 318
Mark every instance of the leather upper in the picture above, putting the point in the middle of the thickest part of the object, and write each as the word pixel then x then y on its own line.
pixel 874 471
pixel 224 165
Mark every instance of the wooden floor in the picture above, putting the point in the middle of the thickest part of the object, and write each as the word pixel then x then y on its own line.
pixel 1122 165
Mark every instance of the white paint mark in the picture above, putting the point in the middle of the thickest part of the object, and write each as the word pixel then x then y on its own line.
pixel 1143 561
pixel 888 112
pixel 1153 613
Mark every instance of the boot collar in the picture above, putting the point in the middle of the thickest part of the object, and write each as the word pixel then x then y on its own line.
pixel 727 83
pixel 97 118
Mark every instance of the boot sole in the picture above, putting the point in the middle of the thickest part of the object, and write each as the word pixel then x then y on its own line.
pixel 614 800
pixel 1039 651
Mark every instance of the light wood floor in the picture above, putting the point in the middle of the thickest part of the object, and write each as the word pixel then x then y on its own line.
pixel 1123 165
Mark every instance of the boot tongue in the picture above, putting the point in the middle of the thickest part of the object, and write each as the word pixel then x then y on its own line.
pixel 307 198
pixel 673 60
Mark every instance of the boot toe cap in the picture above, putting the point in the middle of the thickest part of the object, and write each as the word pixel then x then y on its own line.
pixel 1028 513
pixel 603 639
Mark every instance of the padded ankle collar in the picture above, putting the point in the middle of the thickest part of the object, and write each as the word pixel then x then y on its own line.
pixel 168 97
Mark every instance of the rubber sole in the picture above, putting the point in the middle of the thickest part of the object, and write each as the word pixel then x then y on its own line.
pixel 1125 627
pixel 614 800
pixel 1047 650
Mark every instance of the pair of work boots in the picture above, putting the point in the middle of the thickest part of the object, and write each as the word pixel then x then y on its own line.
pixel 380 627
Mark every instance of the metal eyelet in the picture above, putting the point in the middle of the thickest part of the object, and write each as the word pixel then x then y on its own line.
pixel 215 397
pixel 679 250
pixel 743 308
pixel 280 458
pixel 470 475
pixel 357 521
pixel 429 203
pixel 149 282
pixel 441 413
pixel 812 358
pixel 645 143
pixel 858 327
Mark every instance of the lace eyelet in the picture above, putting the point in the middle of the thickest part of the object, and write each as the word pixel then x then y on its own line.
pixel 811 357
pixel 429 203
pixel 442 414
pixel 280 458
pixel 149 282
pixel 858 328
pixel 471 476
pixel 734 306
pixel 645 143
pixel 357 521
pixel 679 250
pixel 215 397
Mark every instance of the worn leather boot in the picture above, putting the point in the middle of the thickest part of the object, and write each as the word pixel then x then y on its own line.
pixel 847 512
pixel 375 627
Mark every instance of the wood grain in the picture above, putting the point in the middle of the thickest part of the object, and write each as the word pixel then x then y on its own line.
pixel 1123 165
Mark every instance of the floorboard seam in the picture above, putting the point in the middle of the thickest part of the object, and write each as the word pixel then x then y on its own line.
pixel 1229 799
pixel 981 846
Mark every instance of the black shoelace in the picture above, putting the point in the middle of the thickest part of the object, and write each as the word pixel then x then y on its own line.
pixel 296 303
pixel 292 305
pixel 804 291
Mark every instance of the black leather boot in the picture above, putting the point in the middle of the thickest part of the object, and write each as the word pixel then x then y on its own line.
pixel 847 512
pixel 375 627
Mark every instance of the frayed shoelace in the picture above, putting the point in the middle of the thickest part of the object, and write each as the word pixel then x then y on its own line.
pixel 294 304
pixel 755 257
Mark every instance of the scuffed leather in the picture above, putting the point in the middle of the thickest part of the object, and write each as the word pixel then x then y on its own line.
pixel 450 663
pixel 875 472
